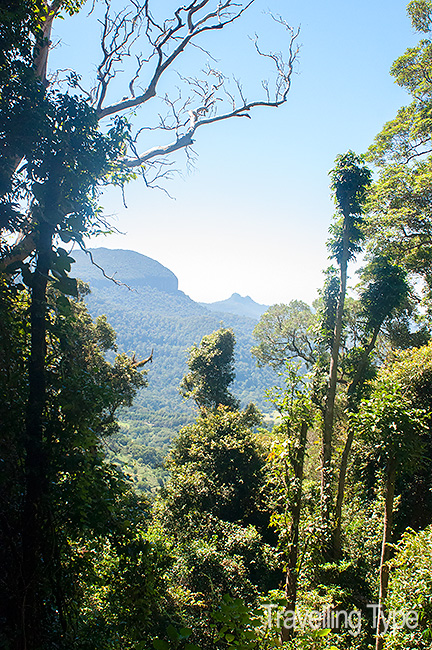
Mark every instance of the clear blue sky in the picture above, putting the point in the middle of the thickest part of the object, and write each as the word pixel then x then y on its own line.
pixel 252 216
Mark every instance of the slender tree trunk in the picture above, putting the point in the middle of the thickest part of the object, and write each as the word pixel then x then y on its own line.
pixel 357 379
pixel 293 553
pixel 337 533
pixel 40 55
pixel 326 473
pixel 36 472
pixel 386 549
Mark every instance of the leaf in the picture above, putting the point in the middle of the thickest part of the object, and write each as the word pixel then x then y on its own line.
pixel 323 632
pixel 173 634
pixel 67 286
pixel 185 632
pixel 158 644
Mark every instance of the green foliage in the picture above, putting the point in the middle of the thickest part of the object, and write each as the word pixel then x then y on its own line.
pixel 285 332
pixel 211 371
pixel 177 639
pixel 412 372
pixel 350 179
pixel 215 466
pixel 287 454
pixel 400 222
pixel 391 422
pixel 384 288
pixel 212 509
pixel 410 589
pixel 420 14
pixel 21 98
pixel 18 26
pixel 107 577
pixel 328 307
pixel 238 626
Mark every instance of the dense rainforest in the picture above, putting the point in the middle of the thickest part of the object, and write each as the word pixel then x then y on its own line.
pixel 149 313
pixel 309 529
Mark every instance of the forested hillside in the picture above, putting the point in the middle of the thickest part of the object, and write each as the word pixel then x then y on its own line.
pixel 311 533
pixel 149 314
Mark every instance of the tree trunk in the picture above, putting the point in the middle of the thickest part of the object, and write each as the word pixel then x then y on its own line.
pixel 326 473
pixel 357 379
pixel 42 47
pixel 386 549
pixel 337 537
pixel 36 472
pixel 293 553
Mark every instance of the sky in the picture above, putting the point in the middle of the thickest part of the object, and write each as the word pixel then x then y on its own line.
pixel 252 214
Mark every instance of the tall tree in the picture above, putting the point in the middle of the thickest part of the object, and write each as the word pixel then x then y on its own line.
pixel 211 371
pixel 349 181
pixel 65 167
pixel 287 460
pixel 294 331
pixel 285 332
pixel 400 221
pixel 43 505
pixel 383 290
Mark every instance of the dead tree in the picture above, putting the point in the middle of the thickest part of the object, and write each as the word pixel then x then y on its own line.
pixel 156 45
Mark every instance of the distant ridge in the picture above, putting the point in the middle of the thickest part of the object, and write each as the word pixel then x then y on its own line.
pixel 239 305
pixel 156 316
pixel 128 267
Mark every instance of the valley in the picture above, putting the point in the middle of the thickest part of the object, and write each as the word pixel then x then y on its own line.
pixel 149 313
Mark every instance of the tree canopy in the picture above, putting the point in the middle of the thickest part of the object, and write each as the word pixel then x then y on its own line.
pixel 211 371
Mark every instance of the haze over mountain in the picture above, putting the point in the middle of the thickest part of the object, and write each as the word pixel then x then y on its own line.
pixel 152 314
pixel 237 304
pixel 127 267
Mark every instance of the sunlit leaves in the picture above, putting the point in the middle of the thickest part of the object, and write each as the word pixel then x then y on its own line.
pixel 350 179
pixel 396 417
pixel 410 587
pixel 420 13
pixel 399 225
pixel 211 371
pixel 285 332
pixel 400 221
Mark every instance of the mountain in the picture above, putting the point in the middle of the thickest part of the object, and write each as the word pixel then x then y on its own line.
pixel 237 304
pixel 150 313
pixel 127 267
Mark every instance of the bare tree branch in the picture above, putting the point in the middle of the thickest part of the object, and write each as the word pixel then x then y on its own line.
pixel 168 44
pixel 206 100
pixel 206 111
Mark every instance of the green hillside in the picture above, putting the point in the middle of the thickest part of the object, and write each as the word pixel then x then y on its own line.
pixel 148 317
